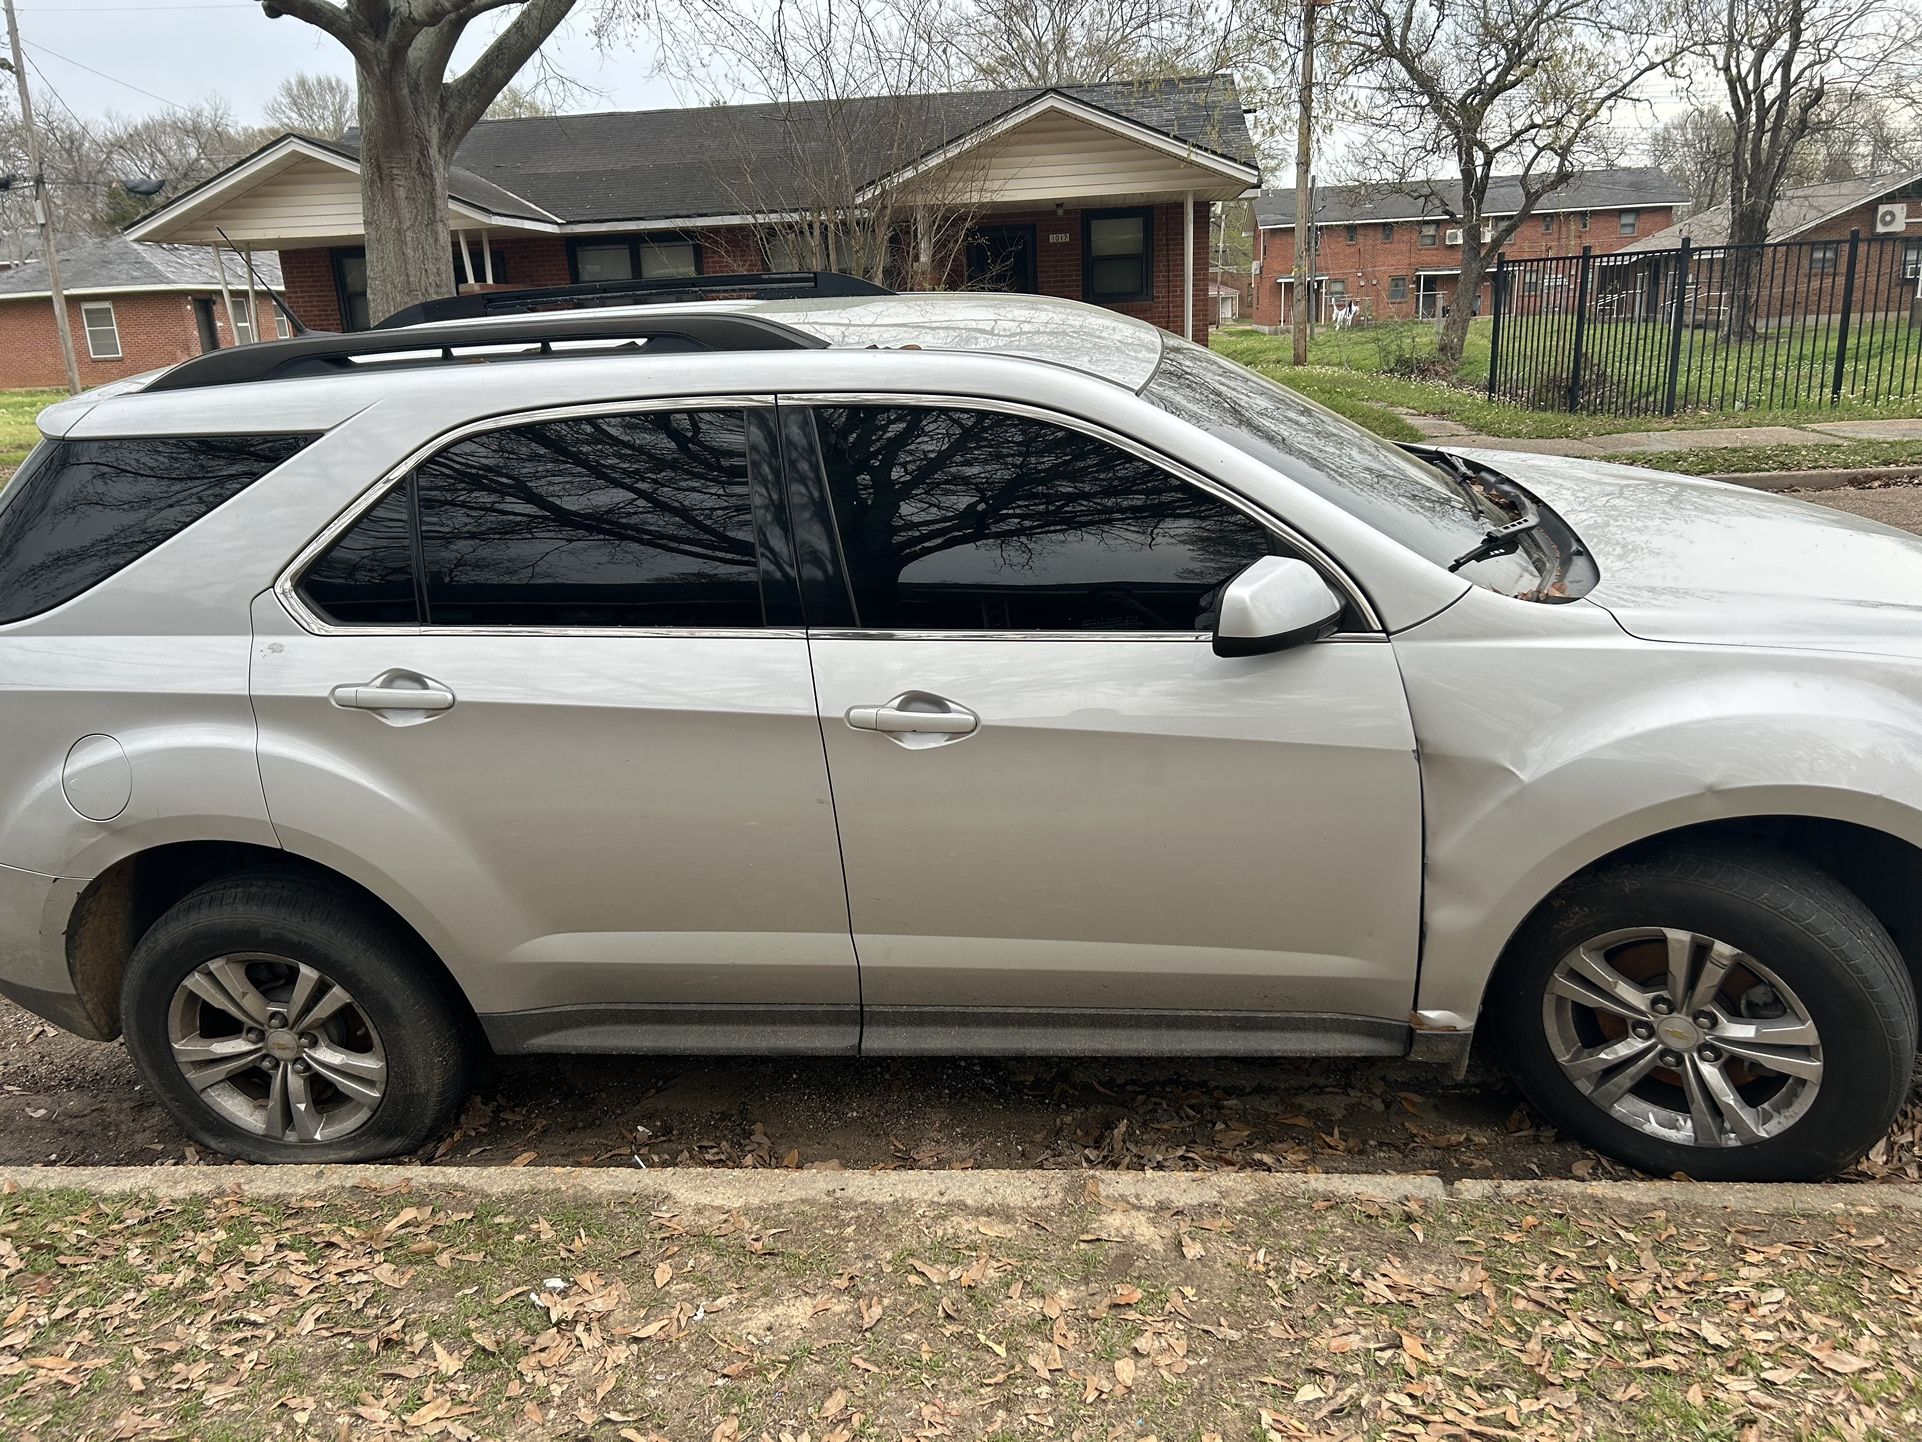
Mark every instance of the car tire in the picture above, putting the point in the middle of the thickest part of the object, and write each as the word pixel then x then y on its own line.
pixel 1809 960
pixel 356 1044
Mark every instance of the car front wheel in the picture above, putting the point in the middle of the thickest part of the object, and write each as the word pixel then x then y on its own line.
pixel 280 1019
pixel 1731 1014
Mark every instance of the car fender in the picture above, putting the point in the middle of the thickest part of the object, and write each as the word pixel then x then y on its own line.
pixel 1540 760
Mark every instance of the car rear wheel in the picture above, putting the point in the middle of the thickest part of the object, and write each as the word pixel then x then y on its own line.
pixel 279 1019
pixel 1731 1014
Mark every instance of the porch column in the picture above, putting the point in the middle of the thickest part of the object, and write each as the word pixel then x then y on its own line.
pixel 253 306
pixel 226 294
pixel 923 250
pixel 1188 265
pixel 487 258
pixel 466 256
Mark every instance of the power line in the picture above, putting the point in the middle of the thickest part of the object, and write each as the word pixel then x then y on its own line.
pixel 115 79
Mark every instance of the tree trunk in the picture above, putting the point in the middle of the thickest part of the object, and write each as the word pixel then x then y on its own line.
pixel 1748 226
pixel 403 190
pixel 1468 287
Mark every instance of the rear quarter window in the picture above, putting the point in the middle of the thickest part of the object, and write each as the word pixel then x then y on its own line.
pixel 81 510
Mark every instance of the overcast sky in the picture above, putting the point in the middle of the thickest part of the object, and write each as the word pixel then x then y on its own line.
pixel 100 55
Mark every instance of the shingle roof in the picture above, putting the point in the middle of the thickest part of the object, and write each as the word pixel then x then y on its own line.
pixel 742 159
pixel 116 263
pixel 1625 187
pixel 1796 211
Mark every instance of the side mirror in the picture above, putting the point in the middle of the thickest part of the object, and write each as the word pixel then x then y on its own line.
pixel 1274 604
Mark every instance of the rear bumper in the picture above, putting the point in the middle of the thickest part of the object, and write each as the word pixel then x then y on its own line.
pixel 33 953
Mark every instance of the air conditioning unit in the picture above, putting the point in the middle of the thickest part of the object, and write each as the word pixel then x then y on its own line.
pixel 1452 237
pixel 1891 218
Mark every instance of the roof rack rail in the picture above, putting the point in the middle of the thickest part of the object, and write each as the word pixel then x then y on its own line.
pixel 328 353
pixel 761 285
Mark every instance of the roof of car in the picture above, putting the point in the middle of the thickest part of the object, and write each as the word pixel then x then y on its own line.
pixel 1083 338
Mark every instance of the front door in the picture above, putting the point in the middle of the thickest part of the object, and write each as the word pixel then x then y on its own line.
pixel 1001 257
pixel 1067 825
pixel 551 698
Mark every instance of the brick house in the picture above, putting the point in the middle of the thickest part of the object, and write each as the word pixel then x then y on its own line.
pixel 1884 208
pixel 1394 251
pixel 1097 193
pixel 132 308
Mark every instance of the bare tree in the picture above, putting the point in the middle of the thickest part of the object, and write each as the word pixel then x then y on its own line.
pixel 518 102
pixel 1067 42
pixel 1522 88
pixel 312 104
pixel 1693 148
pixel 1787 67
pixel 853 99
pixel 414 115
pixel 1791 69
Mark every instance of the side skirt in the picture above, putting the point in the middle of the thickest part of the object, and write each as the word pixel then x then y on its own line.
pixel 722 1030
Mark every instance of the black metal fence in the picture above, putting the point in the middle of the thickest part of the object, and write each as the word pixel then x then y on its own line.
pixel 1722 328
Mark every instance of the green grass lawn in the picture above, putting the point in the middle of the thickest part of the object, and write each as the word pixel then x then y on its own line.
pixel 1738 460
pixel 17 431
pixel 1365 375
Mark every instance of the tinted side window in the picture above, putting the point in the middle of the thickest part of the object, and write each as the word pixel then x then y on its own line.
pixel 961 520
pixel 81 510
pixel 366 578
pixel 629 520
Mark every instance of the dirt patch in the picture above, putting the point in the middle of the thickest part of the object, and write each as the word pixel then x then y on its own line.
pixel 67 1101
pixel 436 1313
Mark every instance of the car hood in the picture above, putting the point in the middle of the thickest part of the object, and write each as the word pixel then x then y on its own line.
pixel 1684 559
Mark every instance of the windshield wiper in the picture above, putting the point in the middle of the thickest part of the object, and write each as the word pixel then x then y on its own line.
pixel 1500 541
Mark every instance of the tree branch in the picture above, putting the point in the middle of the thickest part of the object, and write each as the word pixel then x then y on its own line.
pixel 466 98
pixel 323 16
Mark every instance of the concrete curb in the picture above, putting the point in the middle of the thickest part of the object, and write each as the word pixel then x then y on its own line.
pixel 728 1189
pixel 1820 480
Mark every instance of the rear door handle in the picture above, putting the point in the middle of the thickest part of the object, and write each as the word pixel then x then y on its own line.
pixel 916 718
pixel 394 690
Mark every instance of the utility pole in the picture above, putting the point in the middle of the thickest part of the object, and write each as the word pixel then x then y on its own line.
pixel 42 213
pixel 1304 301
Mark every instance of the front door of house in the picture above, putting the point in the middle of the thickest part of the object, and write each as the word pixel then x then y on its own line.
pixel 1001 257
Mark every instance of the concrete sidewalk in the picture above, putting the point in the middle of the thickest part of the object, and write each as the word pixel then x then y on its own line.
pixel 1815 433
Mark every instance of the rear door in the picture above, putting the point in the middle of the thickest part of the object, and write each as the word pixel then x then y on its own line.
pixel 549 695
pixel 1067 824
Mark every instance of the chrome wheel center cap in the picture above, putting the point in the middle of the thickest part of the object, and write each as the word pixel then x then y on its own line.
pixel 1678 1032
pixel 283 1044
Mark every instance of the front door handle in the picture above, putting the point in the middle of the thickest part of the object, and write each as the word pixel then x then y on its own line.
pixel 915 719
pixel 394 690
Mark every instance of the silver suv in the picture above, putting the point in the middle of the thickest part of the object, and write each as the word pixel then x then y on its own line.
pixel 934 674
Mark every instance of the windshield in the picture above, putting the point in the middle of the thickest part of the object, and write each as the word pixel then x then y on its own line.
pixel 1417 504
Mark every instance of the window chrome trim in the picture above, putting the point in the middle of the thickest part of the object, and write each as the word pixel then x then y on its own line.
pixel 1179 469
pixel 286 584
pixel 1176 638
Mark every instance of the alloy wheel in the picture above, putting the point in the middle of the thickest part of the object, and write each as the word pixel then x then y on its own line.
pixel 277 1047
pixel 1683 1037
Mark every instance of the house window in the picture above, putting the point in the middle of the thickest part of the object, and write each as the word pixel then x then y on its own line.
pixel 1548 225
pixel 1117 254
pixel 103 333
pixel 1912 260
pixel 1430 234
pixel 350 287
pixel 1388 232
pixel 1626 221
pixel 1397 289
pixel 243 327
pixel 1351 233
pixel 282 330
pixel 1822 258
pixel 1584 220
pixel 663 257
